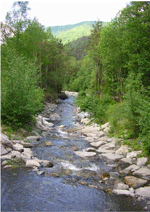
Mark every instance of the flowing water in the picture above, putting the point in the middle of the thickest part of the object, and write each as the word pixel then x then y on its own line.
pixel 72 184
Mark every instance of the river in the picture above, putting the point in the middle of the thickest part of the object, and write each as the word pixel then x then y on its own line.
pixel 72 184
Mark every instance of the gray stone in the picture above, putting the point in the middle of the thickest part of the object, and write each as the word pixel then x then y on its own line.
pixel 5 141
pixel 130 168
pixel 55 117
pixel 126 160
pixel 27 145
pixel 3 150
pixel 33 138
pixel 18 147
pixel 111 156
pixel 85 154
pixel 108 146
pixel 8 150
pixel 40 172
pixel 143 172
pixel 133 154
pixel 121 186
pixel 141 161
pixel 47 124
pixel 26 156
pixel 32 163
pixel 134 181
pixel 15 154
pixel 123 192
pixel 98 143
pixel 143 192
pixel 46 163
pixel 85 121
pixel 5 157
pixel 123 150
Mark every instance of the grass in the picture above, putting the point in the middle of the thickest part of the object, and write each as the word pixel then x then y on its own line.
pixel 15 163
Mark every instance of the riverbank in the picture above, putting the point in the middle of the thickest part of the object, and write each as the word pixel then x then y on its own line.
pixel 100 163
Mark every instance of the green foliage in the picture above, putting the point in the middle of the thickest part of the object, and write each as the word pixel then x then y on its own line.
pixel 57 29
pixel 21 97
pixel 75 33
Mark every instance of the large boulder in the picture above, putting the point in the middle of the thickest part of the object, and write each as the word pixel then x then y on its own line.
pixel 5 141
pixel 143 172
pixel 110 156
pixel 141 161
pixel 134 182
pixel 3 150
pixel 18 147
pixel 32 163
pixel 143 192
pixel 131 168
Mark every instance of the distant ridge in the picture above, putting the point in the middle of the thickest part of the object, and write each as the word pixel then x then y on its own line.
pixel 57 29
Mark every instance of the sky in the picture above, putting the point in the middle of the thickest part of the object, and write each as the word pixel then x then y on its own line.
pixel 52 13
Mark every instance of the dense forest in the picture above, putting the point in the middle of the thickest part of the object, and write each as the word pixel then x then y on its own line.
pixel 110 68
pixel 113 79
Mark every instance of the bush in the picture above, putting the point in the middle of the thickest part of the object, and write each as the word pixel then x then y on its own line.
pixel 21 96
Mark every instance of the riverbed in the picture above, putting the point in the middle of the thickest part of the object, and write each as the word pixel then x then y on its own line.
pixel 72 184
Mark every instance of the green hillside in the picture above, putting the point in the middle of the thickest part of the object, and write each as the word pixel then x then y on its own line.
pixel 75 33
pixel 57 29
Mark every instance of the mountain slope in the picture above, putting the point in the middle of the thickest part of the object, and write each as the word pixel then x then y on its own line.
pixel 57 29
pixel 74 33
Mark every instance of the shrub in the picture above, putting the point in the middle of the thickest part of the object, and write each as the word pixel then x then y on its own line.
pixel 21 96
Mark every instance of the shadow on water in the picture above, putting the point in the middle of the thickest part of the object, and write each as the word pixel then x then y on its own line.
pixel 24 190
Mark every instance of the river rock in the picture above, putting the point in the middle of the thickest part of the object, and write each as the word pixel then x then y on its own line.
pixel 5 141
pixel 143 192
pixel 27 145
pixel 85 121
pixel 108 146
pixel 143 172
pixel 85 154
pixel 3 150
pixel 25 157
pixel 15 154
pixel 46 163
pixel 47 124
pixel 55 117
pixel 134 181
pixel 105 127
pixel 130 168
pixel 111 156
pixel 33 138
pixel 123 192
pixel 141 161
pixel 32 163
pixel 98 143
pixel 18 147
pixel 40 172
pixel 126 160
pixel 123 150
pixel 133 154
pixel 5 157
pixel 121 186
